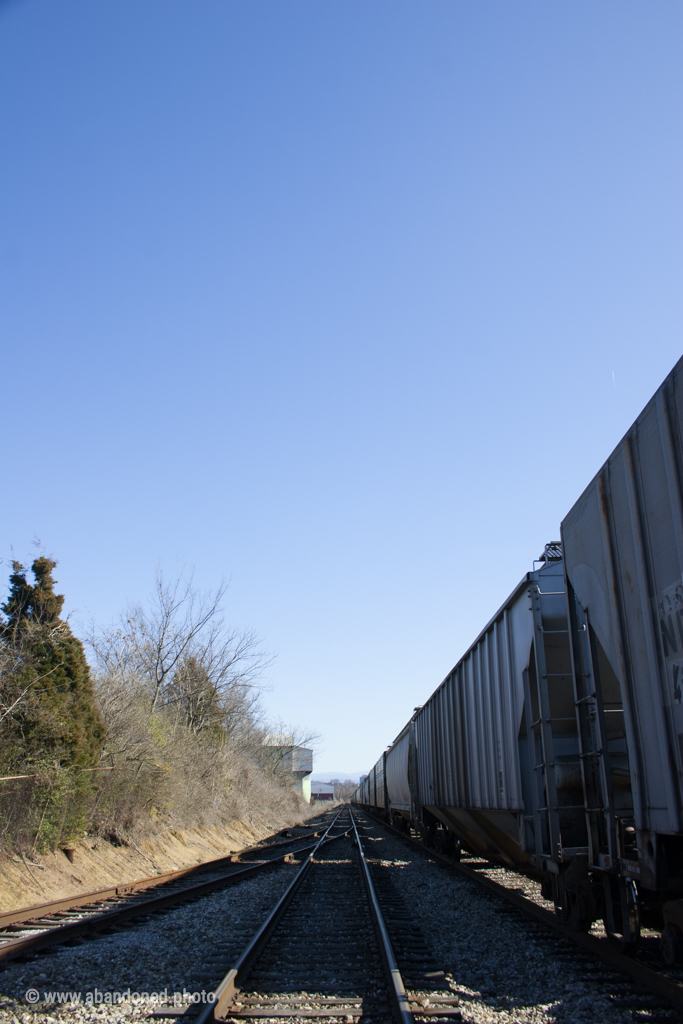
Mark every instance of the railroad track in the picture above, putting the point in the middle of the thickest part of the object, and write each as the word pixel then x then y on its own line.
pixel 337 946
pixel 637 982
pixel 324 953
pixel 25 932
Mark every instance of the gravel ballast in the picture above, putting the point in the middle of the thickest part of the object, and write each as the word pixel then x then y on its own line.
pixel 505 967
pixel 164 953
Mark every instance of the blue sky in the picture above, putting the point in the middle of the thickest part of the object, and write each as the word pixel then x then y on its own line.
pixel 344 300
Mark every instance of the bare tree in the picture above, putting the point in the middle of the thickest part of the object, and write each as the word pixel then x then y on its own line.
pixel 208 699
pixel 124 706
pixel 183 651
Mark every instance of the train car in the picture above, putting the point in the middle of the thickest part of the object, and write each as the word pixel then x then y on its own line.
pixel 623 544
pixel 376 787
pixel 371 790
pixel 477 751
pixel 399 773
pixel 464 762
pixel 492 761
pixel 556 742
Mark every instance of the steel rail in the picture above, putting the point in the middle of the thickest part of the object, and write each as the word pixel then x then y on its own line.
pixel 230 985
pixel 248 851
pixel 97 922
pixel 398 991
pixel 657 982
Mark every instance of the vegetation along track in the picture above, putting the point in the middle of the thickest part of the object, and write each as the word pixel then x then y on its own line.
pixel 634 988
pixel 24 932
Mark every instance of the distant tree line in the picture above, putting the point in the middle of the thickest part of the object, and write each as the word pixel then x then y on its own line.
pixel 343 790
pixel 164 730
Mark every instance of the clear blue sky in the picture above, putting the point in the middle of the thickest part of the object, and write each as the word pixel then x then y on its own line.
pixel 346 300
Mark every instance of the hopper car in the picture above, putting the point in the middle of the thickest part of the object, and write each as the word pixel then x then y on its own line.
pixel 555 744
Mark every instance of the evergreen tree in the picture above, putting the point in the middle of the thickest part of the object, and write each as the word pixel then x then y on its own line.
pixel 192 691
pixel 58 720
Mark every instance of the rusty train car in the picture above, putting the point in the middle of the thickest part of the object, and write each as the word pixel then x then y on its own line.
pixel 555 744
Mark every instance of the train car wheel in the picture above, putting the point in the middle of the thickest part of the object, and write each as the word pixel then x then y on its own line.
pixel 581 911
pixel 671 945
pixel 622 917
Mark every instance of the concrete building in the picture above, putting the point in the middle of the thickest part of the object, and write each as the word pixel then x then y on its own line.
pixel 291 762
pixel 322 791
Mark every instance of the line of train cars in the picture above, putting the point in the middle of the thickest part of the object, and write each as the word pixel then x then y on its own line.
pixel 555 745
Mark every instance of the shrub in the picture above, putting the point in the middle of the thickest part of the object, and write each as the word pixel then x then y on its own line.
pixel 50 725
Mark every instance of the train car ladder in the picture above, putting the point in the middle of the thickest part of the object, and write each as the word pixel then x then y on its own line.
pixel 541 748
pixel 590 718
pixel 546 809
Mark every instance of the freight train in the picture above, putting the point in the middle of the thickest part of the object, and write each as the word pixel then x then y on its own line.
pixel 555 744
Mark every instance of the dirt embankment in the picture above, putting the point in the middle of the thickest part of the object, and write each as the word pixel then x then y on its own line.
pixel 93 863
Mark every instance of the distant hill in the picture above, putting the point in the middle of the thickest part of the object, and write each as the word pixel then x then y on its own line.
pixel 342 776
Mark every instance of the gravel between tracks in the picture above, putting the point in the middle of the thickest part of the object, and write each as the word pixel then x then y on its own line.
pixel 159 954
pixel 506 968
